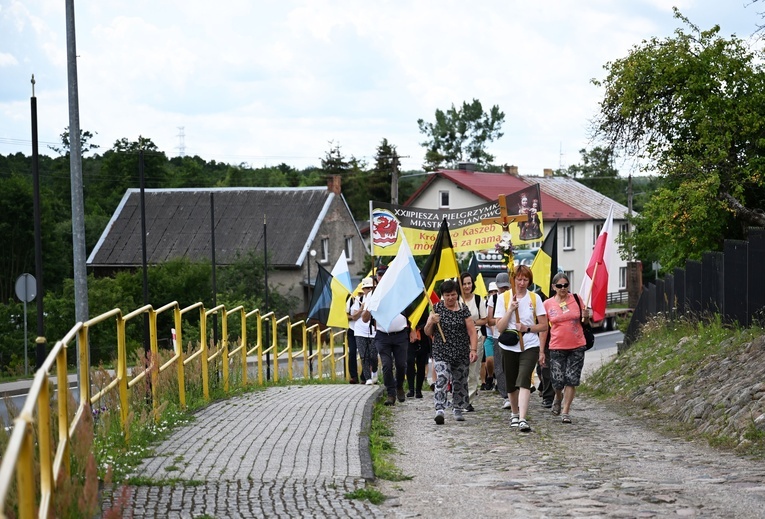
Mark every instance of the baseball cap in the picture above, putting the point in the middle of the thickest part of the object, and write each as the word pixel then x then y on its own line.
pixel 503 280
pixel 381 270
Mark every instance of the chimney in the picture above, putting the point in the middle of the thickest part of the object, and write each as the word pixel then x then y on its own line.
pixel 547 172
pixel 511 170
pixel 334 184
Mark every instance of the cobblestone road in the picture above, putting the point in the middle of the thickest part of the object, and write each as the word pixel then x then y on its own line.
pixel 605 464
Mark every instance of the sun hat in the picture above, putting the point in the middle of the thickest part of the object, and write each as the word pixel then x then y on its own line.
pixel 367 283
pixel 492 286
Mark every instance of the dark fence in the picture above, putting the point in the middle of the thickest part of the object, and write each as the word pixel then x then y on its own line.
pixel 730 283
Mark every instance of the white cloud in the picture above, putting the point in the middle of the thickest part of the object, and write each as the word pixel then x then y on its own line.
pixel 270 82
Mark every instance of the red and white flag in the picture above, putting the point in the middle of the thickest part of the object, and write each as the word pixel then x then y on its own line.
pixel 594 291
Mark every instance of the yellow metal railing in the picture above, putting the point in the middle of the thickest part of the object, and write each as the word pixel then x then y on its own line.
pixel 22 454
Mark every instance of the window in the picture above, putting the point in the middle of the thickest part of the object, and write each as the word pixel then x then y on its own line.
pixel 596 232
pixel 624 229
pixel 325 250
pixel 568 237
pixel 443 199
pixel 570 276
pixel 349 248
pixel 622 278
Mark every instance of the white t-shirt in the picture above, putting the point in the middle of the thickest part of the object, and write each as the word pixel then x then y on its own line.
pixel 499 310
pixel 526 313
pixel 360 328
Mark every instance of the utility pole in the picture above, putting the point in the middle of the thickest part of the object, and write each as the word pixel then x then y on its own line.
pixel 75 168
pixel 394 181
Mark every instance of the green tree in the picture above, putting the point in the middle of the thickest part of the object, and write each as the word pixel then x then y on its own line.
pixel 461 134
pixel 597 171
pixel 85 142
pixel 119 172
pixel 692 108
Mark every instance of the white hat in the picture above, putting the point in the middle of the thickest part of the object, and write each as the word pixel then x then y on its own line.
pixel 493 287
pixel 367 283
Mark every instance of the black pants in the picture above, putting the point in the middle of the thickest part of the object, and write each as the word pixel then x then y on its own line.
pixel 392 349
pixel 546 390
pixel 353 366
pixel 417 363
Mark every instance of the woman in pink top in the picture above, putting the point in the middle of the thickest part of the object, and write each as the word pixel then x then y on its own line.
pixel 567 344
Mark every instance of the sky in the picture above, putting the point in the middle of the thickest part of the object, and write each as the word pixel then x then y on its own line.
pixel 265 82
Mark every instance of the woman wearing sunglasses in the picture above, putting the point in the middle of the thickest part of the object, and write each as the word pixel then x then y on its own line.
pixel 567 344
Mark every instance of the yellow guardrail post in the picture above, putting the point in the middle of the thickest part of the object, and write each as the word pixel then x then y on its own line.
pixel 179 353
pixel 154 363
pixel 304 338
pixel 224 344
pixel 122 375
pixel 25 479
pixel 63 408
pixel 203 339
pixel 243 324
pixel 44 442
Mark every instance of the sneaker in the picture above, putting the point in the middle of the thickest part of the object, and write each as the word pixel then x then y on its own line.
pixel 458 415
pixel 353 381
pixel 369 382
pixel 374 377
pixel 391 400
pixel 400 394
pixel 524 426
pixel 514 419
pixel 547 404
pixel 418 393
pixel 449 404
pixel 410 394
pixel 506 405
pixel 483 386
pixel 439 417
pixel 470 408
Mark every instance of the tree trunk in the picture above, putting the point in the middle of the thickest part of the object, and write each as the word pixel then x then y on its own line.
pixel 744 214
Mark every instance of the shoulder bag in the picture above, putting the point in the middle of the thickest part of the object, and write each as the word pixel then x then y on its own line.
pixel 589 336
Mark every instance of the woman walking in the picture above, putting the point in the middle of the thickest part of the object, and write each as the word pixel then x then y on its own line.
pixel 453 355
pixel 478 315
pixel 567 344
pixel 519 363
pixel 365 336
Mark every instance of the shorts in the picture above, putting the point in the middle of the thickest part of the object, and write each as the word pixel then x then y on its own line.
pixel 566 367
pixel 488 346
pixel 518 367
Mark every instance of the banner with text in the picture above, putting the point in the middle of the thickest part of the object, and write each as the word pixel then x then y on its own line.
pixel 466 227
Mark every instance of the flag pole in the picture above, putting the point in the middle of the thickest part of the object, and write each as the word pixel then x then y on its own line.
pixel 517 314
pixel 430 307
pixel 592 285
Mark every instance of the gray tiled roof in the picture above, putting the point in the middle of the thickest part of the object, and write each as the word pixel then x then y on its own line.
pixel 580 196
pixel 178 225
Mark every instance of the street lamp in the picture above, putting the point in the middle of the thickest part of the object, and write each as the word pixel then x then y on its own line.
pixel 313 255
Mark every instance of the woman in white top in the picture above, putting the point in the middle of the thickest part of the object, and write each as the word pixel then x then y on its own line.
pixel 519 363
pixel 365 336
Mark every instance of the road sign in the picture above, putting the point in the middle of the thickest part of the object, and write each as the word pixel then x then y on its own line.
pixel 26 288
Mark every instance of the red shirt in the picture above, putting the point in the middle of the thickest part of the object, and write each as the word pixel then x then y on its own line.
pixel 565 324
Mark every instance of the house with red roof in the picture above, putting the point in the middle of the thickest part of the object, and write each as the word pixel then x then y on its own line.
pixel 580 211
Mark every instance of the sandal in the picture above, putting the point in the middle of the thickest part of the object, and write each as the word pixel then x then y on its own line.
pixel 556 408
pixel 514 420
pixel 565 419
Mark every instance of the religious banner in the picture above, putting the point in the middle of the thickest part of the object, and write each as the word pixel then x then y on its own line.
pixel 388 222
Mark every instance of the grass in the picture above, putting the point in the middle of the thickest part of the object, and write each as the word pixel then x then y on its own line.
pixel 676 362
pixel 381 445
pixel 370 494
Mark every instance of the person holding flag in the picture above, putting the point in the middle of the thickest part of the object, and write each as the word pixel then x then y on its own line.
pixel 400 286
pixel 454 348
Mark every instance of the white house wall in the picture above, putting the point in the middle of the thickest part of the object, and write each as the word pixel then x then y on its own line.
pixel 574 260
